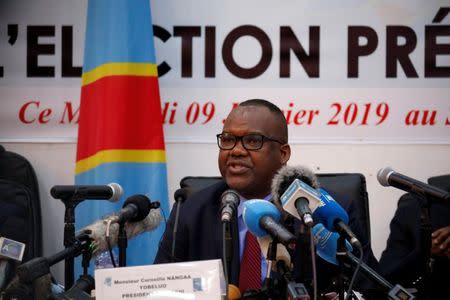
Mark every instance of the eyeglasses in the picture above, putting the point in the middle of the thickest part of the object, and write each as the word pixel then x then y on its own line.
pixel 252 141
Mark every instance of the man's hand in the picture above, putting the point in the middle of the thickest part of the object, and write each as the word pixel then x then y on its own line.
pixel 440 244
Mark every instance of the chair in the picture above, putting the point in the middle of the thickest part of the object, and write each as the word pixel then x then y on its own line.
pixel 346 188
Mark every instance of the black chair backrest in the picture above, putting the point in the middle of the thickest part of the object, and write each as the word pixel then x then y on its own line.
pixel 346 188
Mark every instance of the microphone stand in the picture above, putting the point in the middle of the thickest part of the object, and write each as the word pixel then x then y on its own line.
pixel 425 241
pixel 122 243
pixel 396 292
pixel 69 236
pixel 341 251
pixel 227 250
pixel 305 255
pixel 175 229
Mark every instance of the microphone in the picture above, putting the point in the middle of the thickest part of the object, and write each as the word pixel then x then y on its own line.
pixel 99 230
pixel 388 177
pixel 324 208
pixel 233 292
pixel 326 243
pixel 181 195
pixel 334 218
pixel 135 209
pixel 111 192
pixel 262 218
pixel 229 203
pixel 293 188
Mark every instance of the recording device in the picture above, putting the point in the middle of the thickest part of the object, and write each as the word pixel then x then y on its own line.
pixel 388 177
pixel 98 231
pixel 11 249
pixel 111 192
pixel 262 218
pixel 229 203
pixel 293 188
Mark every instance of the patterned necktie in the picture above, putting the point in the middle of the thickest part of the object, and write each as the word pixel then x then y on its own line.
pixel 250 273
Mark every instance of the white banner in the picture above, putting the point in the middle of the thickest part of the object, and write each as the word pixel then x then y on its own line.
pixel 349 72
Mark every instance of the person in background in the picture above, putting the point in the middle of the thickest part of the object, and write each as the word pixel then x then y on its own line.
pixel 402 260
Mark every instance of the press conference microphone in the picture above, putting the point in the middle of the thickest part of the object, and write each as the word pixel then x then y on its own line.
pixel 388 177
pixel 291 189
pixel 111 192
pixel 262 218
pixel 135 209
pixel 233 292
pixel 326 243
pixel 334 218
pixel 97 231
pixel 229 203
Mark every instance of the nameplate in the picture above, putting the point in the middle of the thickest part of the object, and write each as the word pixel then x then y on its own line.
pixel 186 280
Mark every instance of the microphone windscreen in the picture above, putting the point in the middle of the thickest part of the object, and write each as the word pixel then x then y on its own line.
pixel 181 194
pixel 97 231
pixel 233 292
pixel 286 175
pixel 117 191
pixel 143 205
pixel 254 210
pixel 383 176
pixel 326 243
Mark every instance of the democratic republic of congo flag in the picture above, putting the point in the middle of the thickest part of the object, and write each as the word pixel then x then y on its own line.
pixel 120 134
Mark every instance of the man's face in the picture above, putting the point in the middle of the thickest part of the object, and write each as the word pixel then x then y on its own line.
pixel 250 172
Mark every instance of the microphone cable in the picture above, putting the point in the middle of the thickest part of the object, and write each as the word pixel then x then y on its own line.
pixel 313 263
pixel 352 281
pixel 108 242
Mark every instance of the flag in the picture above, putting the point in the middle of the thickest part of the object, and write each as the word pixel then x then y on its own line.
pixel 120 134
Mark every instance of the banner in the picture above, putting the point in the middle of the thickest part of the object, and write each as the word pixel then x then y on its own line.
pixel 381 76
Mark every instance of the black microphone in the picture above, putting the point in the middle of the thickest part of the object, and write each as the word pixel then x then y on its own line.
pixel 180 196
pixel 135 209
pixel 111 192
pixel 388 177
pixel 229 203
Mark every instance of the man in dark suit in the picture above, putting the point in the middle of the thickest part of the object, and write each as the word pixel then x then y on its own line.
pixel 253 147
pixel 403 259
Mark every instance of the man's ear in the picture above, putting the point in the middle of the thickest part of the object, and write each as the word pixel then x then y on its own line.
pixel 285 151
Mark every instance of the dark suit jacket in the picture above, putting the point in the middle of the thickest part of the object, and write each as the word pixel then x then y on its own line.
pixel 199 235
pixel 401 261
pixel 199 232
